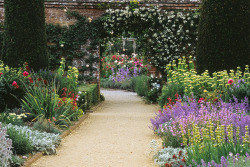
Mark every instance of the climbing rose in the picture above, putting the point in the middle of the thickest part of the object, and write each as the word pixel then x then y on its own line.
pixel 31 80
pixel 27 68
pixel 230 81
pixel 25 73
pixel 174 156
pixel 15 84
pixel 1 74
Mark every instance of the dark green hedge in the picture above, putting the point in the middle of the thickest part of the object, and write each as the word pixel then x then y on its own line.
pixel 223 40
pixel 24 35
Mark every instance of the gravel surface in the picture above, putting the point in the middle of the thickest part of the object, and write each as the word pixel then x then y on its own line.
pixel 117 134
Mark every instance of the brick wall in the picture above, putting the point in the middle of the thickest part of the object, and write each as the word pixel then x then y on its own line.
pixel 55 14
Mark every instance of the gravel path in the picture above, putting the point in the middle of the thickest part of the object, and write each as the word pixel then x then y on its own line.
pixel 116 135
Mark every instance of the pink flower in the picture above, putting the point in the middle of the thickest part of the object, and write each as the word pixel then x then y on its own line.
pixel 230 81
pixel 1 74
pixel 25 73
pixel 15 84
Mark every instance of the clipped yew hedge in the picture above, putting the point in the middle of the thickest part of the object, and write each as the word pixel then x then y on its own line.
pixel 24 34
pixel 223 35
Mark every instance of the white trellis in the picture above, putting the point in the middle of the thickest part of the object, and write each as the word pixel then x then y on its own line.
pixel 129 39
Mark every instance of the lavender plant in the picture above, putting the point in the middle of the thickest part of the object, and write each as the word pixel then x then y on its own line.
pixel 230 161
pixel 183 114
pixel 5 147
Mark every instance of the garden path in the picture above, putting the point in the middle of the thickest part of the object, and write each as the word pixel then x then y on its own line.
pixel 115 135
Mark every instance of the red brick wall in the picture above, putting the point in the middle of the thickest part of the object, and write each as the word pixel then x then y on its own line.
pixel 55 14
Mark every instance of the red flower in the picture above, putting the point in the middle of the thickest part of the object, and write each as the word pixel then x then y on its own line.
pixel 15 84
pixel 39 79
pixel 183 159
pixel 201 100
pixel 174 156
pixel 180 152
pixel 25 73
pixel 54 118
pixel 216 100
pixel 45 82
pixel 1 74
pixel 31 80
pixel 27 68
pixel 230 81
pixel 181 166
pixel 168 165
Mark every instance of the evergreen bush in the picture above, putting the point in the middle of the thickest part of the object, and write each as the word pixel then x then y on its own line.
pixel 223 35
pixel 25 35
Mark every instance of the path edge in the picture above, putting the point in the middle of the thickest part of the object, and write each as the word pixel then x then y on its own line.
pixel 38 155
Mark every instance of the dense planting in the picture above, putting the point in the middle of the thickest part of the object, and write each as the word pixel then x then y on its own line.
pixel 209 116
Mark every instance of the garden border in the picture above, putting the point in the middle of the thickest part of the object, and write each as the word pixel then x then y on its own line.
pixel 38 155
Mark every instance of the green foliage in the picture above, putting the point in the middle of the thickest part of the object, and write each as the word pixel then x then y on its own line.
pixel 169 140
pixel 169 90
pixel 154 89
pixel 44 102
pixel 223 35
pixel 90 94
pixel 16 161
pixel 102 97
pixel 44 125
pixel 20 143
pixel 142 85
pixel 239 90
pixel 239 161
pixel 12 118
pixel 9 95
pixel 24 35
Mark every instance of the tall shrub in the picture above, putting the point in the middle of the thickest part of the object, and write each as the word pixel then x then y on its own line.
pixel 25 35
pixel 223 35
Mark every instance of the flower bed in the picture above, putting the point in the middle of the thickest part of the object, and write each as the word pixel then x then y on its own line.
pixel 46 101
pixel 209 117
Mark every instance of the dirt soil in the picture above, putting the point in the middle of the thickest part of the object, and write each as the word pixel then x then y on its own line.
pixel 117 134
